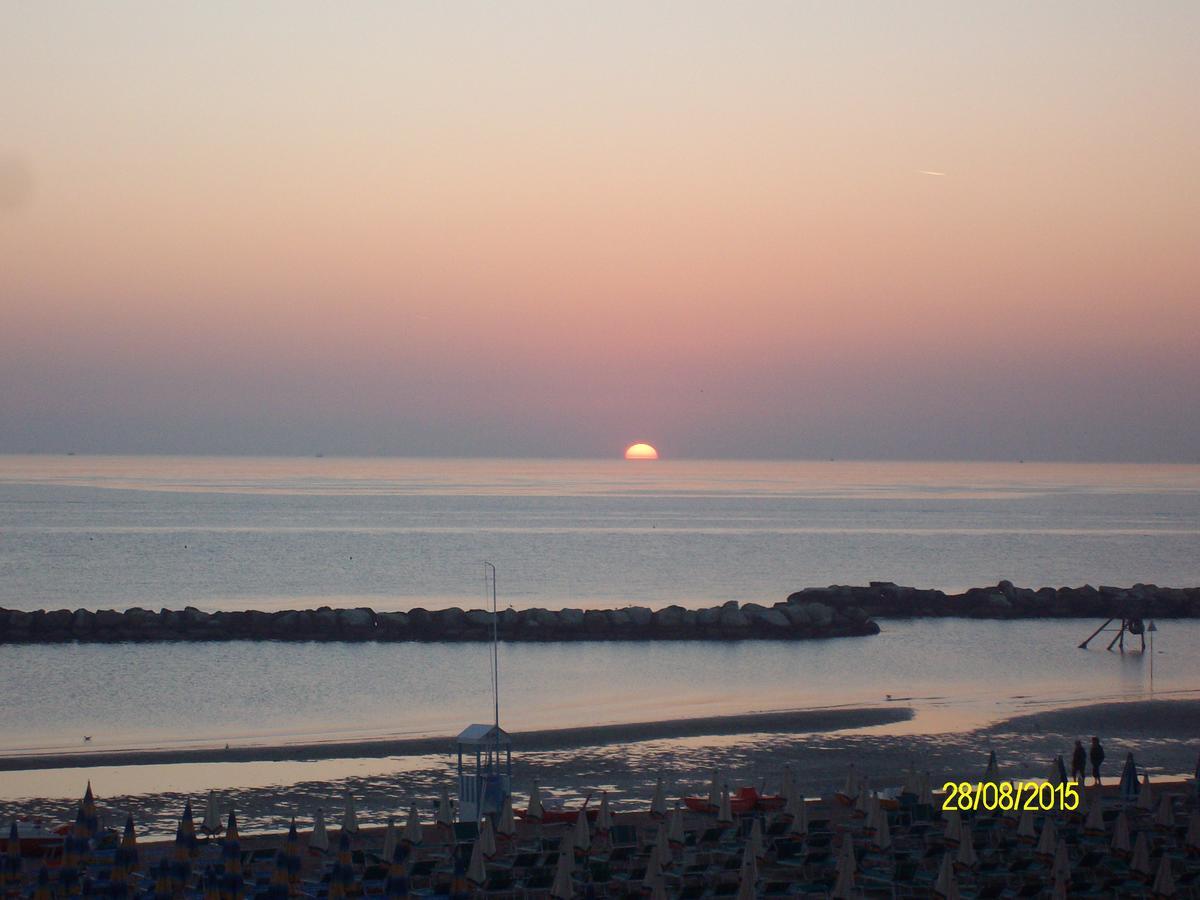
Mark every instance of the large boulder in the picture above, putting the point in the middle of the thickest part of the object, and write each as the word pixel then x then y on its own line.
pixel 819 614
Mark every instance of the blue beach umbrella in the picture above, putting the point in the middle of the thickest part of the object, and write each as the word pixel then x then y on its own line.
pixel 12 860
pixel 184 850
pixel 1129 787
pixel 233 884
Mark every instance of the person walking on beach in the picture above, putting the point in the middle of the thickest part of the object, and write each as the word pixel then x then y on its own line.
pixel 1079 763
pixel 1097 756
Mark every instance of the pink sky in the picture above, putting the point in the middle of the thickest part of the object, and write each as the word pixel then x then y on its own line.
pixel 555 228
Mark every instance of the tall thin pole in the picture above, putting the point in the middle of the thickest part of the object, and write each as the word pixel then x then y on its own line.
pixel 495 651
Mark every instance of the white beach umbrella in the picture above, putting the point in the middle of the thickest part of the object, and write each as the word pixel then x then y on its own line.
pixel 847 868
pixel 476 871
pixel 1058 771
pixel 926 796
pixel 1048 840
pixel 714 790
pixel 581 838
pixel 749 873
pixel 389 842
pixel 319 839
pixel 675 833
pixel 445 814
pixel 799 810
pixel 655 879
pixel 350 816
pixel 966 856
pixel 1145 798
pixel 658 803
pixel 563 887
pixel 604 819
pixel 1164 880
pixel 1140 862
pixel 1120 838
pixel 212 815
pixel 1061 870
pixel 413 832
pixel 853 783
pixel 506 825
pixel 725 810
pixel 862 804
pixel 1025 826
pixel 1164 815
pixel 754 843
pixel 947 884
pixel 487 838
pixel 952 833
pixel 883 832
pixel 991 774
pixel 1093 823
pixel 789 782
pixel 662 847
pixel 874 811
pixel 534 811
pixel 566 843
pixel 1192 840
pixel 912 782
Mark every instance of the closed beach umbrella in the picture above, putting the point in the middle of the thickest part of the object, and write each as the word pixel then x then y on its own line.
pixel 506 825
pixel 396 886
pixel 952 833
pixel 947 883
pixel 91 821
pixel 581 834
pixel 319 839
pixel 1140 862
pixel 846 870
pixel 675 835
pixel 926 796
pixel 714 791
pixel 789 782
pixel 42 889
pixel 185 834
pixel 1061 870
pixel 232 884
pixel 343 869
pixel 798 827
pixel 754 844
pixel 212 816
pixel 724 810
pixel 180 865
pixel 350 816
pixel 389 841
pixel 413 832
pixel 658 803
pixel 883 831
pixel 992 773
pixel 1093 824
pixel 662 847
pixel 1129 787
pixel 748 880
pixel 1048 841
pixel 280 885
pixel 534 811
pixel 966 857
pixel 1120 840
pixel 487 838
pixel 853 783
pixel 445 813
pixel 476 872
pixel 1164 815
pixel 1025 832
pixel 12 860
pixel 1192 840
pixel 1164 881
pixel 291 852
pixel 862 804
pixel 126 857
pixel 212 884
pixel 1145 800
pixel 1058 771
pixel 563 887
pixel 604 820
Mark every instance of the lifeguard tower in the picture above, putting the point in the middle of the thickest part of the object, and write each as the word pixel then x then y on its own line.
pixel 482 789
pixel 482 792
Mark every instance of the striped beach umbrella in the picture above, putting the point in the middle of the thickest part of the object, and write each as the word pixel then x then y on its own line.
pixel 291 852
pixel 12 860
pixel 343 869
pixel 413 832
pixel 186 833
pixel 396 886
pixel 1129 787
pixel 1120 839
pixel 183 851
pixel 125 860
pixel 164 889
pixel 211 824
pixel 91 820
pixel 212 883
pixel 280 886
pixel 350 817
pixel 233 883
pixel 68 870
pixel 658 802
pixel 43 890
pixel 318 841
pixel 1164 880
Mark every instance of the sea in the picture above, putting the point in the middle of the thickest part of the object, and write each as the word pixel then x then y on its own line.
pixel 274 533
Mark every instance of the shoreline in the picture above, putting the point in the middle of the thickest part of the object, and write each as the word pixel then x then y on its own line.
pixel 803 721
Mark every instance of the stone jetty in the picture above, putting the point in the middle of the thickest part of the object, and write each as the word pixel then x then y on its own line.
pixel 827 612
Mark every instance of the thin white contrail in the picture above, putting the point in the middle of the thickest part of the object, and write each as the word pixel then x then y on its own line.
pixel 928 172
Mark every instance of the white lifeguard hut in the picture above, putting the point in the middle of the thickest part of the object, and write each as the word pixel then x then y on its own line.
pixel 482 791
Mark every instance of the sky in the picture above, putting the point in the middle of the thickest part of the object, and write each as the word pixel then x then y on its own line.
pixel 921 230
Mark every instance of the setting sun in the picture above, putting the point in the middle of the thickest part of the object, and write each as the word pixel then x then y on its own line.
pixel 641 451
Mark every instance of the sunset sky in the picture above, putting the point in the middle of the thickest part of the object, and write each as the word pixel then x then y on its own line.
pixel 555 228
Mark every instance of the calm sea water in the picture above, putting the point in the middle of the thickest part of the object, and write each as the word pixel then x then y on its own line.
pixel 271 533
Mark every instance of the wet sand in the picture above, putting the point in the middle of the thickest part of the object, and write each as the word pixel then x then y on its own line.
pixel 626 760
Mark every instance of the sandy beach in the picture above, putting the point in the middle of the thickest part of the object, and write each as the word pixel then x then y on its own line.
pixel 625 760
